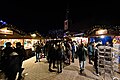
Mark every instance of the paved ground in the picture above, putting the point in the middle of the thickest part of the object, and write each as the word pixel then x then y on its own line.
pixel 39 71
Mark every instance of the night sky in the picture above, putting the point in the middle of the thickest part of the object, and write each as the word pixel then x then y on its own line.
pixel 44 16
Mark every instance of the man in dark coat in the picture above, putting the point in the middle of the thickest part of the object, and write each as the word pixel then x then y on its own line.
pixel 59 57
pixel 38 52
pixel 90 52
pixel 21 53
pixel 96 59
pixel 82 53
pixel 10 62
pixel 52 56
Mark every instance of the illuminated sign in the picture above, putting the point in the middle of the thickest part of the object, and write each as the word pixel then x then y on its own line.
pixel 99 32
pixel 5 31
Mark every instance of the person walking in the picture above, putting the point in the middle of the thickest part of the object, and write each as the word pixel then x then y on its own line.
pixel 37 51
pixel 82 53
pixel 73 51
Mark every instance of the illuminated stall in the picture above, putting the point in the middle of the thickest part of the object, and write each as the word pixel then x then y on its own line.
pixel 109 34
pixel 77 37
pixel 28 43
pixel 31 39
pixel 80 39
pixel 13 35
pixel 13 41
pixel 7 35
pixel 102 34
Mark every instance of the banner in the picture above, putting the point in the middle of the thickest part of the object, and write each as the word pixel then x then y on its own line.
pixel 65 24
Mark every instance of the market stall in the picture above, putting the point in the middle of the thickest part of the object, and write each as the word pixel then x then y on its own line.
pixel 7 35
pixel 80 39
pixel 13 35
pixel 108 36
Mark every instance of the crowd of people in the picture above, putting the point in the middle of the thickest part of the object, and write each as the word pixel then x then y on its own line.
pixel 64 52
pixel 11 61
pixel 56 52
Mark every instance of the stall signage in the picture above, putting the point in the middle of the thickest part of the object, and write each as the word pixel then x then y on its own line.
pixel 102 31
pixel 5 31
pixel 116 40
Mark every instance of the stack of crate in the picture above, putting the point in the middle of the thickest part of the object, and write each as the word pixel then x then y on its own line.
pixel 101 59
pixel 116 54
pixel 109 65
pixel 105 61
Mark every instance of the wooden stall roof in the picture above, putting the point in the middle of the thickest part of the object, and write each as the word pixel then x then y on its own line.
pixel 17 34
pixel 111 30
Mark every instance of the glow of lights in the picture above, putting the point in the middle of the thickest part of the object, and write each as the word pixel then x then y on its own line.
pixel 4 22
pixel 65 39
pixel 1 21
pixel 33 35
pixel 55 39
pixel 101 31
pixel 102 36
pixel 5 31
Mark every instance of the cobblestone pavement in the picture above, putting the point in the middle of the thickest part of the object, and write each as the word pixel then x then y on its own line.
pixel 39 71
